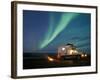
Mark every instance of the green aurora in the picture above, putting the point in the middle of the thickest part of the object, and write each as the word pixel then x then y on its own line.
pixel 63 23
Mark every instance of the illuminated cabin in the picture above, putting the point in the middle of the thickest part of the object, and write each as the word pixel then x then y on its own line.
pixel 68 49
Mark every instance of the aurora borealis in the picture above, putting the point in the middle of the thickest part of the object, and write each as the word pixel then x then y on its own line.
pixel 45 31
pixel 64 21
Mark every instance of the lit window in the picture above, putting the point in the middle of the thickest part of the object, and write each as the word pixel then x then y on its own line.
pixel 63 49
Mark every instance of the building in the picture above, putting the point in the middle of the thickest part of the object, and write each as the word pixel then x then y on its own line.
pixel 68 49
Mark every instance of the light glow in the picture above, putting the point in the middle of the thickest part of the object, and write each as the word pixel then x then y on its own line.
pixel 85 55
pixel 50 59
pixel 71 52
pixel 63 49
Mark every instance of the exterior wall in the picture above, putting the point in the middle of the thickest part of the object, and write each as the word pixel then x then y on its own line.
pixel 66 50
pixel 63 50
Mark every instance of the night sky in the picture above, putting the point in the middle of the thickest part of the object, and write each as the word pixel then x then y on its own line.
pixel 45 31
